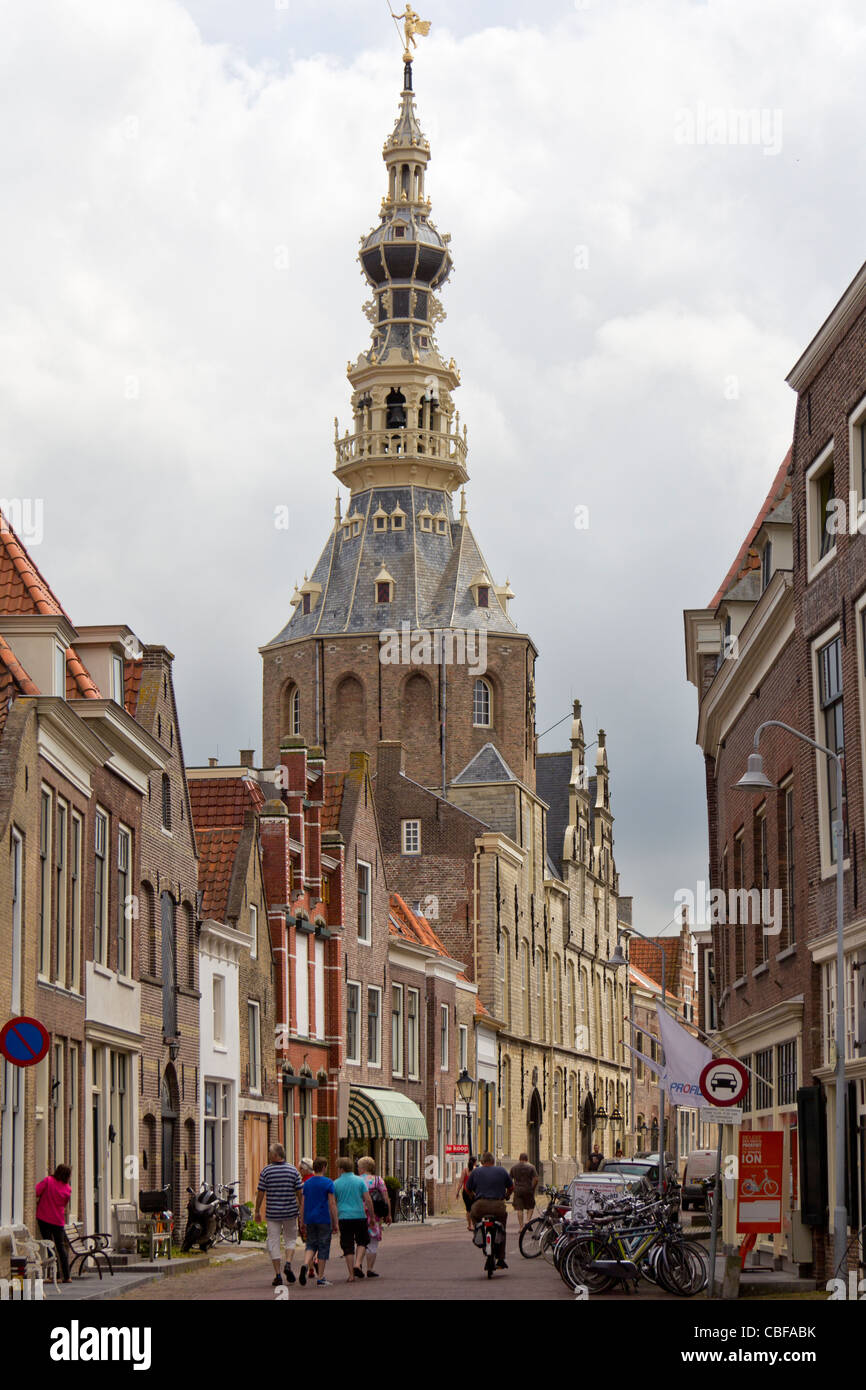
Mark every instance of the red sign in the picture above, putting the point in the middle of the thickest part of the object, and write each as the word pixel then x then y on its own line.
pixel 23 1041
pixel 724 1081
pixel 457 1148
pixel 759 1184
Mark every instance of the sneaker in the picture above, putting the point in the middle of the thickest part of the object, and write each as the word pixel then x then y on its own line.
pixel 302 1277
pixel 277 1280
pixel 500 1264
pixel 358 1272
pixel 290 1277
pixel 324 1284
pixel 371 1274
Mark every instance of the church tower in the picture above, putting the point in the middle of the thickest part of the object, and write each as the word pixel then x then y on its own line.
pixel 399 631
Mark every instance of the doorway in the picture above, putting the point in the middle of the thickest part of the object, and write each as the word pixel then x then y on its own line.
pixel 587 1125
pixel 534 1131
pixel 168 1110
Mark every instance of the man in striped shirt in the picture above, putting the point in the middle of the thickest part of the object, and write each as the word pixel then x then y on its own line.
pixel 283 1187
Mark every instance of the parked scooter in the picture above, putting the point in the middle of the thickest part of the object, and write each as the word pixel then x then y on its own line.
pixel 202 1223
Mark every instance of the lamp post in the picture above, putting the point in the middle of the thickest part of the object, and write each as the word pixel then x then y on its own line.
pixel 617 960
pixel 466 1090
pixel 755 779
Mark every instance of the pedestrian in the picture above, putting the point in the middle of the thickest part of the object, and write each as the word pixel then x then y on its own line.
pixel 596 1159
pixel 491 1184
pixel 463 1191
pixel 381 1204
pixel 305 1168
pixel 524 1175
pixel 281 1183
pixel 52 1199
pixel 354 1212
pixel 618 1153
pixel 320 1217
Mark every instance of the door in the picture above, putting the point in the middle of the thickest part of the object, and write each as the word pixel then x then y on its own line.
pixel 255 1154
pixel 534 1131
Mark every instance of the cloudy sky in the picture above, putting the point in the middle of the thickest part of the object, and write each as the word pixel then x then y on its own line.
pixel 636 272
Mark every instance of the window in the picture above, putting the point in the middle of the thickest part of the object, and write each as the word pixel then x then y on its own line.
pixel 302 985
pixel 117 679
pixel 832 733
pixel 168 917
pixel 16 857
pixel 425 521
pixel 524 985
pixel 255 1033
pixel 120 1118
pixel 763 870
pixel 254 931
pixel 763 1065
pixel 305 603
pixel 59 671
pixel 766 565
pixel 481 703
pixel 364 933
pixel 411 836
pixel 483 596
pixel 441 525
pixel 58 1105
pixel 443 1037
pixel 462 1048
pixel 219 1009
pixel 822 520
pixel 295 713
pixel 413 1012
pixel 398 520
pixel 216 1136
pixel 374 1026
pixel 45 884
pixel 353 1022
pixel 788 795
pixel 740 882
pixel 786 1072
pixel 60 891
pixel 100 889
pixel 75 901
pixel 397 1030
pixel 539 993
pixel 166 801
pixel 556 1002
pixel 124 934
pixel 383 591
pixel 319 987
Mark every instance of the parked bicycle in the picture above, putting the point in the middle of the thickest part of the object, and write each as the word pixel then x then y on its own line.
pixel 412 1202
pixel 628 1238
pixel 539 1236
pixel 232 1216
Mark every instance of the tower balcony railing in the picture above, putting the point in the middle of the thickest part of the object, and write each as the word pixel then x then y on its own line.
pixel 401 443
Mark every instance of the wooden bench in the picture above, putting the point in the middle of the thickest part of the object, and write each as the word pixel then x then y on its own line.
pixel 146 1234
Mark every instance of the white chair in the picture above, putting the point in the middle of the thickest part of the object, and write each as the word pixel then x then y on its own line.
pixel 41 1255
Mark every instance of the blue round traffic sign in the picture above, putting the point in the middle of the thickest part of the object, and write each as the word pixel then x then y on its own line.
pixel 23 1041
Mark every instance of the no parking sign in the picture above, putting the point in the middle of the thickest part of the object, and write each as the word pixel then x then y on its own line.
pixel 23 1041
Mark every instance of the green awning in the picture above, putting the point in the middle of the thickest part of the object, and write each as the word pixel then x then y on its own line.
pixel 375 1113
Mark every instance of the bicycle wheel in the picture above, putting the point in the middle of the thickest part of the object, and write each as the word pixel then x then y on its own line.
pixel 574 1267
pixel 529 1243
pixel 405 1207
pixel 683 1269
pixel 548 1244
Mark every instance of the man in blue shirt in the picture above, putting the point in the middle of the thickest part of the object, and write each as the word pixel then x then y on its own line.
pixel 491 1184
pixel 281 1183
pixel 320 1215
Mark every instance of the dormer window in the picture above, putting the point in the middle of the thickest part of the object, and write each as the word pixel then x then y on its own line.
pixel 380 520
pixel 399 230
pixel 766 565
pixel 117 679
pixel 305 603
pixel 483 596
pixel 310 595
pixel 441 525
pixel 59 670
pixel 398 519
pixel 480 586
pixel 425 520
pixel 384 583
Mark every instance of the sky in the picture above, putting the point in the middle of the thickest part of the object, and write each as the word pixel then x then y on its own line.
pixel 638 267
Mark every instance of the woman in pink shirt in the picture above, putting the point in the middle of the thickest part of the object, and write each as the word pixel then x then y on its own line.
pixel 52 1199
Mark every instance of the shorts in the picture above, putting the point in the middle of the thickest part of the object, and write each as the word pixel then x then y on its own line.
pixel 288 1225
pixel 468 1199
pixel 524 1201
pixel 352 1233
pixel 319 1239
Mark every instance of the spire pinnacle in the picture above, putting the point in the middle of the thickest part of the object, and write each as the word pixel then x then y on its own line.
pixel 412 25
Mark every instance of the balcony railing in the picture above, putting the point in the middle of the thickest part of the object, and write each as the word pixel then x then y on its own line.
pixel 400 443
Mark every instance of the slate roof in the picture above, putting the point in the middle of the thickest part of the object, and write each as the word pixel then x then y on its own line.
pixel 431 573
pixel 488 765
pixel 552 781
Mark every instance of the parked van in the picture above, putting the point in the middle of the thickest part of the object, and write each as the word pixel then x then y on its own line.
pixel 700 1164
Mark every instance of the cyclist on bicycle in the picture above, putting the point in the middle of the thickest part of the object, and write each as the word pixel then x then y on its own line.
pixel 491 1184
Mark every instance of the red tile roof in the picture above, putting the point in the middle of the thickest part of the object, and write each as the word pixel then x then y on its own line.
pixel 748 559
pixel 217 850
pixel 335 783
pixel 647 957
pixel 14 680
pixel 132 684
pixel 220 802
pixel 408 923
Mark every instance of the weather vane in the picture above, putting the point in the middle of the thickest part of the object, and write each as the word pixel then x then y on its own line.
pixel 412 25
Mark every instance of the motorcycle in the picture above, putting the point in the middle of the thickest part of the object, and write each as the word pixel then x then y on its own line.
pixel 489 1236
pixel 202 1219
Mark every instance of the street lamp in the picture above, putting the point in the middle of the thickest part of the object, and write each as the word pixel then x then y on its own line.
pixel 617 960
pixel 600 1118
pixel 755 779
pixel 466 1090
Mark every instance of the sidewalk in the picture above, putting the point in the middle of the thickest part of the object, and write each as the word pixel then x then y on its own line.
pixel 89 1286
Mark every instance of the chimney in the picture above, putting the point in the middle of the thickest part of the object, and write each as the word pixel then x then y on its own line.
pixel 247 757
pixel 390 759
pixel 359 764
pixel 213 762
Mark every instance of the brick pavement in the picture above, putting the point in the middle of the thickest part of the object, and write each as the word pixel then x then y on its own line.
pixel 420 1263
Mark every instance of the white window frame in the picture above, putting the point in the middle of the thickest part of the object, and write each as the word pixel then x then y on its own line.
pixel 398 1023
pixel 815 561
pixel 254 931
pixel 376 1060
pixel 413 995
pixel 76 843
pixel 476 722
pixel 254 1027
pixel 444 1037
pixel 856 447
pixel 365 938
pixel 101 956
pixel 218 1007
pixel 117 691
pixel 462 1047
pixel 46 883
pixel 828 868
pixel 353 1061
pixel 410 836
pixel 124 963
pixel 60 670
pixel 60 874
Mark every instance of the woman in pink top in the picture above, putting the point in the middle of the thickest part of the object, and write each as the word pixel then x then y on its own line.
pixel 52 1199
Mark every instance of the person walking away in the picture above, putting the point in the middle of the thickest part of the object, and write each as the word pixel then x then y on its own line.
pixel 524 1175
pixel 52 1199
pixel 354 1212
pixel 463 1191
pixel 491 1184
pixel 280 1182
pixel 305 1168
pixel 321 1221
pixel 596 1159
pixel 381 1204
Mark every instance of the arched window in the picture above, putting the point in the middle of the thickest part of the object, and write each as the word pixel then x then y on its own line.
pixel 395 418
pixel 505 976
pixel 524 985
pixel 571 1038
pixel 539 993
pixel 482 704
pixel 557 1017
pixel 295 712
pixel 351 705
pixel 166 801
pixel 148 938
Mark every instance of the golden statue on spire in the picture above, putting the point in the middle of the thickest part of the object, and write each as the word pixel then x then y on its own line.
pixel 412 25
